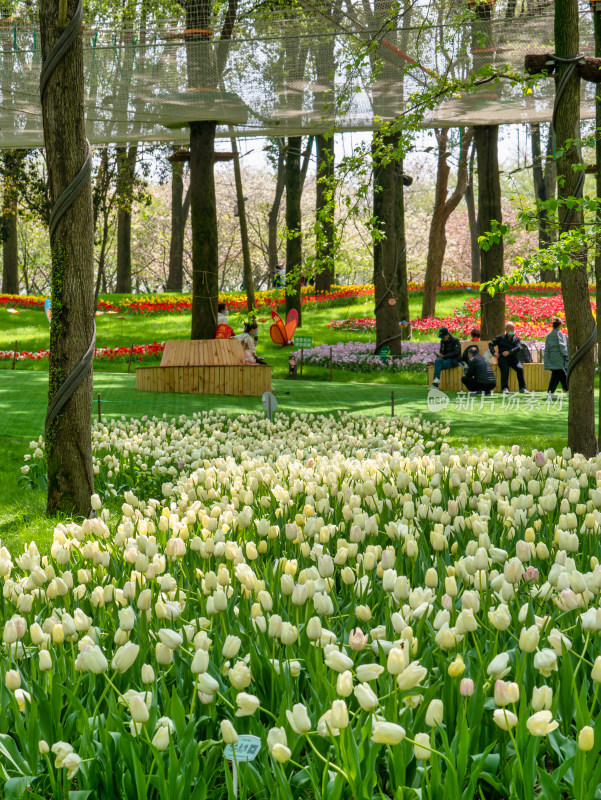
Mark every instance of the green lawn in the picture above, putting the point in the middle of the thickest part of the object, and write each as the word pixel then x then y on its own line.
pixel 23 408
pixel 30 330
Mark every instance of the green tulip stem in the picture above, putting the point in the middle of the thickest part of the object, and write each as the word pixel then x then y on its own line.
pixel 515 747
pixel 582 658
pixel 325 760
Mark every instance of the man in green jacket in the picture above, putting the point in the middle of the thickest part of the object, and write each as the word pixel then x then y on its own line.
pixel 556 358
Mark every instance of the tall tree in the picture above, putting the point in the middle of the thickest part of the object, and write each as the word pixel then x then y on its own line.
pixel 472 218
pixel 597 32
pixel 492 308
pixel 11 163
pixel 247 269
pixel 543 176
pixel 68 437
pixel 206 60
pixel 444 205
pixel 180 208
pixel 385 276
pixel 574 281
pixel 489 184
pixel 274 211
pixel 294 242
pixel 324 245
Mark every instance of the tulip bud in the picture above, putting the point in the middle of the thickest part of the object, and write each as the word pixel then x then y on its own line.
pixel 298 719
pixel 434 713
pixel 12 680
pixel 422 748
pixel 228 732
pixel 586 738
pixel 147 674
pixel 466 687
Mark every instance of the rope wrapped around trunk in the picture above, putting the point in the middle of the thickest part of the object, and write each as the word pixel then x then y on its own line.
pixel 64 202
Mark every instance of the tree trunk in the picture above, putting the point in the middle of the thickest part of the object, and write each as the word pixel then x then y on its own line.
pixel 175 278
pixel 68 438
pixel 489 209
pixel 126 160
pixel 294 242
pixel 324 209
pixel 246 262
pixel 574 281
pixel 10 244
pixel 540 194
pixel 473 220
pixel 205 253
pixel 401 247
pixel 443 208
pixel 388 332
pixel 274 211
pixel 437 237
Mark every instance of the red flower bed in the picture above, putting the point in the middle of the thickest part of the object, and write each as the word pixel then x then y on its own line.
pixel 140 351
pixel 532 316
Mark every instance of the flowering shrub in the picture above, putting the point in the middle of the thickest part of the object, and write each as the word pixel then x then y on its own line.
pixel 140 351
pixel 380 610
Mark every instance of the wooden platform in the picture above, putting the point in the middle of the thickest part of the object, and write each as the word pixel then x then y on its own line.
pixel 537 379
pixel 203 352
pixel 211 366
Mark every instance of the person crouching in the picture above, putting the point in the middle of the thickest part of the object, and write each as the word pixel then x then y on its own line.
pixel 479 377
pixel 449 356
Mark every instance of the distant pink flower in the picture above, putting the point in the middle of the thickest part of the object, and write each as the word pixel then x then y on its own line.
pixel 357 639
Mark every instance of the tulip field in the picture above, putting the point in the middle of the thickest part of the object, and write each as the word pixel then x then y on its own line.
pixel 390 617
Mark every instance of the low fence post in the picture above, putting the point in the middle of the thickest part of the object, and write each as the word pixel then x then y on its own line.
pixel 99 409
pixel 392 404
pixel 302 359
pixel 131 352
pixel 15 355
pixel 331 366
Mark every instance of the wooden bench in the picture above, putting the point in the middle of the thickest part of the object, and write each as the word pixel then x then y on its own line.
pixel 205 366
pixel 537 378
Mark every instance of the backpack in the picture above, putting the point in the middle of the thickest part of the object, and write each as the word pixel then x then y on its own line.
pixel 525 355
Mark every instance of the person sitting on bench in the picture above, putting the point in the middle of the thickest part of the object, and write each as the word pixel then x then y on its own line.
pixel 479 377
pixel 508 346
pixel 449 356
pixel 475 334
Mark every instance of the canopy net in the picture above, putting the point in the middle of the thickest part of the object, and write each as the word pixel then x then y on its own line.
pixel 331 63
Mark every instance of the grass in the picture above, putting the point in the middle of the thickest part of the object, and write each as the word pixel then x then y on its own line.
pixel 30 330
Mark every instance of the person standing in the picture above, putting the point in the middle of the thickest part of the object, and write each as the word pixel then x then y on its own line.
pixel 556 358
pixel 449 356
pixel 479 377
pixel 508 346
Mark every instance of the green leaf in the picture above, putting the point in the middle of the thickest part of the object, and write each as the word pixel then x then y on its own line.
pixel 549 785
pixel 80 794
pixel 16 787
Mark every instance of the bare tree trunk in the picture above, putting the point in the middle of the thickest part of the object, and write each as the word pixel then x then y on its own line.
pixel 126 160
pixel 68 438
pixel 437 237
pixel 574 281
pixel 473 220
pixel 246 262
pixel 294 242
pixel 489 209
pixel 401 247
pixel 545 236
pixel 274 211
pixel 175 278
pixel 10 244
pixel 388 332
pixel 443 208
pixel 324 247
pixel 205 252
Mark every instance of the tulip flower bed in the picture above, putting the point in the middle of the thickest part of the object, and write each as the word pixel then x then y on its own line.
pixel 391 618
pixel 140 352
pixel 359 356
pixel 532 317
